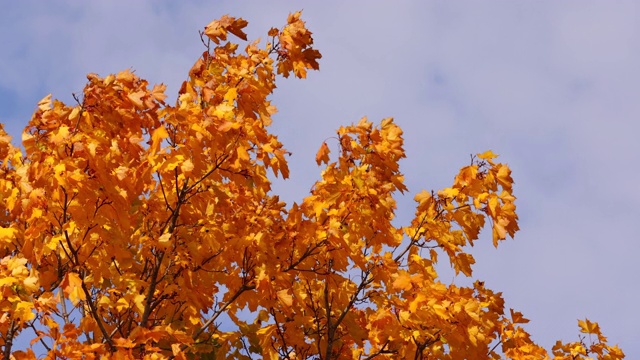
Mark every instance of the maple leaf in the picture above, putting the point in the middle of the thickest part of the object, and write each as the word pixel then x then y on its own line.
pixel 72 286
pixel 402 282
pixel 157 137
pixel 217 29
pixel 588 327
pixel 487 155
pixel 323 154
pixel 517 317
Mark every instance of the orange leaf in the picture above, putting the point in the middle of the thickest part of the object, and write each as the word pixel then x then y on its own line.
pixel 322 156
pixel 157 137
pixel 217 29
pixel 402 281
pixel 517 317
pixel 72 287
pixel 136 98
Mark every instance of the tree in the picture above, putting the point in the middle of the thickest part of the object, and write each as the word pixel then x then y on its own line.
pixel 135 229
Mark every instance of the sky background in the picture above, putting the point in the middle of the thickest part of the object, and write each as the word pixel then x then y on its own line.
pixel 551 86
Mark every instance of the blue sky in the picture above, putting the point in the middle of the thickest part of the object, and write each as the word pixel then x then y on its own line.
pixel 550 86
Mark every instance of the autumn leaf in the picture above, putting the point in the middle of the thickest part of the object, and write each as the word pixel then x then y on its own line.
pixel 165 239
pixel 157 137
pixel 487 155
pixel 402 282
pixel 45 103
pixel 323 154
pixel 588 327
pixel 217 29
pixel 136 98
pixel 60 135
pixel 285 298
pixel 7 235
pixel 72 286
pixel 187 166
pixel 517 317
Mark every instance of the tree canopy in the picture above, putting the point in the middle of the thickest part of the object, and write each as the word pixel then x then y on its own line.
pixel 131 228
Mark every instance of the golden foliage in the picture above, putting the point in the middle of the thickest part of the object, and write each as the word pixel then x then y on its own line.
pixel 131 228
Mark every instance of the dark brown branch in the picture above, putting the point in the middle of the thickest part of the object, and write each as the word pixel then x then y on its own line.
pixel 38 333
pixel 327 309
pixel 8 340
pixel 96 316
pixel 215 316
pixel 152 289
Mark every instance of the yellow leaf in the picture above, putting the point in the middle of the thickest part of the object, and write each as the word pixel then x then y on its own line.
pixel 7 235
pixel 24 311
pixel 285 298
pixel 588 327
pixel 164 239
pixel 136 98
pixel 176 349
pixel 449 193
pixel 228 125
pixel 58 173
pixel 225 111
pixel 422 196
pixel 45 103
pixel 187 166
pixel 417 301
pixel 31 283
pixel 7 281
pixel 504 176
pixel 122 305
pixel 319 207
pixel 157 137
pixel 109 79
pixel 60 135
pixel 487 155
pixel 231 95
pixel 72 287
pixel 499 233
pixel 121 172
pixel 242 153
pixel 173 162
pixel 158 92
pixel 493 205
pixel 138 301
pixel 74 113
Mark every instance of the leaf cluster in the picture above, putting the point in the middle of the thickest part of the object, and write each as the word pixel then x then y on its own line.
pixel 131 228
